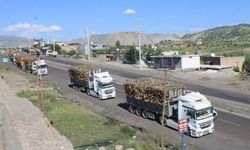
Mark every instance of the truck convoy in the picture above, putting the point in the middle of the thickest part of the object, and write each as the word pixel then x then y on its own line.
pixel 145 98
pixel 29 63
pixel 93 81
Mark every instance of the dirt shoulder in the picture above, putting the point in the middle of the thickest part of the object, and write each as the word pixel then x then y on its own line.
pixel 23 124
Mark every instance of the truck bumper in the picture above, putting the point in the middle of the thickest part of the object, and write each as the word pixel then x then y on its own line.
pixel 112 95
pixel 201 132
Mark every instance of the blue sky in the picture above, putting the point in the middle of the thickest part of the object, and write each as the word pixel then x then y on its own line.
pixel 67 19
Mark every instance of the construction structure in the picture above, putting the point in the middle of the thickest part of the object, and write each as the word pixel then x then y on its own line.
pixel 176 61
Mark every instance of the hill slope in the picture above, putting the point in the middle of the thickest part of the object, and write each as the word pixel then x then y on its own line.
pixel 129 38
pixel 239 32
pixel 13 41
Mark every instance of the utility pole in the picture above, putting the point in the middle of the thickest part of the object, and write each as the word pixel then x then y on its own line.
pixel 163 116
pixel 54 45
pixel 138 26
pixel 88 45
pixel 39 84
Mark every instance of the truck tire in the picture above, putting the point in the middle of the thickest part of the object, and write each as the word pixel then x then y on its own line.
pixel 138 111
pixel 88 92
pixel 164 122
pixel 131 109
pixel 144 114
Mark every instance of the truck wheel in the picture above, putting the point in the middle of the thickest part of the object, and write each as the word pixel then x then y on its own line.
pixel 131 109
pixel 164 121
pixel 138 111
pixel 144 114
pixel 88 92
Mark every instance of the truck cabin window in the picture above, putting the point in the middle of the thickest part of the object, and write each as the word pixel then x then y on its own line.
pixel 204 113
pixel 43 66
pixel 107 85
pixel 190 113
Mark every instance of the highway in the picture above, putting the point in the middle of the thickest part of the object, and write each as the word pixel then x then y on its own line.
pixel 232 96
pixel 230 131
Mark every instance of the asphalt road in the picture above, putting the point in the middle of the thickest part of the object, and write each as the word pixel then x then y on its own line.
pixel 230 131
pixel 220 93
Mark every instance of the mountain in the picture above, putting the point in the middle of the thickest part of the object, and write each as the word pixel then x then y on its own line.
pixel 239 32
pixel 13 41
pixel 129 38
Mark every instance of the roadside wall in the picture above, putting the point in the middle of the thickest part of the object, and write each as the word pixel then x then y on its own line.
pixel 232 61
pixel 9 136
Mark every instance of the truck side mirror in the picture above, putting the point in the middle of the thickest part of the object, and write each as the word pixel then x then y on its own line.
pixel 215 114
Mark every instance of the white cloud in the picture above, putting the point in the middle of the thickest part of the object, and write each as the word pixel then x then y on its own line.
pixel 197 29
pixel 129 11
pixel 29 30
pixel 172 16
pixel 39 28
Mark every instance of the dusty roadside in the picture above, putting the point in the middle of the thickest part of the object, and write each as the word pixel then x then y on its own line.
pixel 23 126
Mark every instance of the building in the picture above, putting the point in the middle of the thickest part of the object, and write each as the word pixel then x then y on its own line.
pixel 177 61
pixel 98 46
pixel 60 44
pixel 71 46
pixel 224 61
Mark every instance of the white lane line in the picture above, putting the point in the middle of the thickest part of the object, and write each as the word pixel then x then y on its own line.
pixel 230 122
pixel 231 112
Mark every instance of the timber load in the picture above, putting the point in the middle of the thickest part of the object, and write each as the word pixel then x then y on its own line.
pixel 29 59
pixel 81 72
pixel 152 90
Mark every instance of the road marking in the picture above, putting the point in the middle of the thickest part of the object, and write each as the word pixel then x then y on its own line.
pixel 231 112
pixel 230 122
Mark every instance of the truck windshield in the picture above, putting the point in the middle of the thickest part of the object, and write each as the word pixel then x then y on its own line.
pixel 204 113
pixel 43 66
pixel 107 85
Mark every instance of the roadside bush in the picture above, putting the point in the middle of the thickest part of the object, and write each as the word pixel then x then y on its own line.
pixel 71 52
pixel 246 65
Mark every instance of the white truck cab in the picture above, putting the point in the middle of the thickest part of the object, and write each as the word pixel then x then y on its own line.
pixel 103 87
pixel 42 67
pixel 196 109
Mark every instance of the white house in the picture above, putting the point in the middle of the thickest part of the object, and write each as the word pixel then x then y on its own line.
pixel 177 61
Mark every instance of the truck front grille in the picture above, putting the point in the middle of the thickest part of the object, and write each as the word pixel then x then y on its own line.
pixel 205 124
pixel 108 91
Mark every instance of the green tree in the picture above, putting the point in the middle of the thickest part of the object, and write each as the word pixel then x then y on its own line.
pixel 246 65
pixel 71 52
pixel 57 47
pixel 117 44
pixel 150 51
pixel 132 55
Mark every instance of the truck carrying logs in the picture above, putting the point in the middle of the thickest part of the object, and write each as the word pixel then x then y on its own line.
pixel 92 80
pixel 145 98
pixel 152 90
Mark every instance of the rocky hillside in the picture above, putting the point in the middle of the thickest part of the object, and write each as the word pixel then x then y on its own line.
pixel 129 38
pixel 13 41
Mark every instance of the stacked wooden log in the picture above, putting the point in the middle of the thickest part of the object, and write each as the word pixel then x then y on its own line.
pixel 29 59
pixel 81 72
pixel 152 90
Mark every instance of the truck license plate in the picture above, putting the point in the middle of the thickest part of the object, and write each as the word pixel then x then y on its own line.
pixel 109 96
